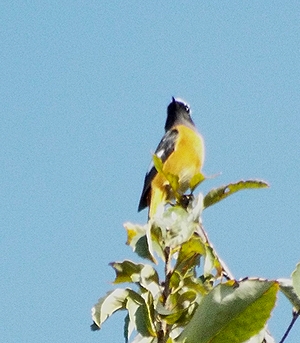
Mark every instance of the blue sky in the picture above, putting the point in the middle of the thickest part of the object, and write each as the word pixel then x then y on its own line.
pixel 84 91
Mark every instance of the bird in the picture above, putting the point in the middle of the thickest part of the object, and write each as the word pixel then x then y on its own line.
pixel 181 151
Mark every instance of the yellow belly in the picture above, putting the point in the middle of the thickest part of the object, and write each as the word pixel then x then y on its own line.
pixel 185 162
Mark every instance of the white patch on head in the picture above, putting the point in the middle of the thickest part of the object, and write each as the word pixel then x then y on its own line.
pixel 183 102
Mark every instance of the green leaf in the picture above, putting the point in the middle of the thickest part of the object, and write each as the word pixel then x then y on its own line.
pixel 106 306
pixel 139 314
pixel 121 299
pixel 143 249
pixel 175 281
pixel 287 288
pixel 187 298
pixel 173 182
pixel 137 240
pixel 210 260
pixel 142 274
pixel 181 317
pixel 158 164
pixel 172 179
pixel 126 271
pixel 231 312
pixel 296 279
pixel 218 194
pixel 196 208
pixel 197 285
pixel 154 241
pixel 141 339
pixel 134 233
pixel 178 308
pixel 196 180
pixel 174 317
pixel 149 280
pixel 189 253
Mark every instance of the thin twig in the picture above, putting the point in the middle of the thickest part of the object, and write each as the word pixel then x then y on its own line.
pixel 164 331
pixel 295 316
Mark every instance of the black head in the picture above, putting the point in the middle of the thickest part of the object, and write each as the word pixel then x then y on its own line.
pixel 178 112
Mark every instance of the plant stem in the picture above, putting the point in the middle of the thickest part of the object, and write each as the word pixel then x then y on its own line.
pixel 295 316
pixel 164 331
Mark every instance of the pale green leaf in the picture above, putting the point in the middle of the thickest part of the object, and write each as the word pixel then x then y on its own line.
pixel 143 249
pixel 142 274
pixel 139 314
pixel 149 280
pixel 134 233
pixel 181 311
pixel 153 235
pixel 196 180
pixel 210 260
pixel 231 312
pixel 196 284
pixel 268 338
pixel 173 182
pixel 171 178
pixel 137 240
pixel 126 271
pixel 296 279
pixel 286 287
pixel 187 298
pixel 106 306
pixel 141 339
pixel 121 299
pixel 128 328
pixel 158 164
pixel 189 253
pixel 218 194
pixel 175 280
pixel 262 337
pixel 195 208
pixel 174 317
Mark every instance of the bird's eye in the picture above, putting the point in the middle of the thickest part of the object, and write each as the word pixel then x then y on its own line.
pixel 187 108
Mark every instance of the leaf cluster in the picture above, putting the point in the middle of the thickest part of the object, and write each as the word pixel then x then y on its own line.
pixel 183 292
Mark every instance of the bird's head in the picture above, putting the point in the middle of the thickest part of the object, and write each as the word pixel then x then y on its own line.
pixel 178 112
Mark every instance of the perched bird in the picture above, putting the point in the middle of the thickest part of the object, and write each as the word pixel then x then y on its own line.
pixel 181 151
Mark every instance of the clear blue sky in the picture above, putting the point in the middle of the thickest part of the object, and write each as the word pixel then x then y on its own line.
pixel 84 91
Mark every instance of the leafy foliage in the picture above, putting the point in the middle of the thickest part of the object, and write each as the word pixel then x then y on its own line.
pixel 230 308
pixel 291 288
pixel 296 280
pixel 196 299
pixel 218 194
